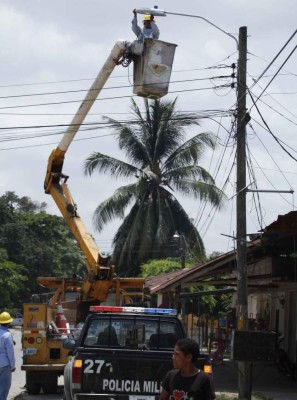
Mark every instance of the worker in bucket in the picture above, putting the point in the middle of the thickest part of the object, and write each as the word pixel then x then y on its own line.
pixel 149 30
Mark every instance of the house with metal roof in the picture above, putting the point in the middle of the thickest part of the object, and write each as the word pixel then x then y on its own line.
pixel 271 281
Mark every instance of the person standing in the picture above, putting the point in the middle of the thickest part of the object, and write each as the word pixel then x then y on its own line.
pixel 149 30
pixel 186 381
pixel 7 357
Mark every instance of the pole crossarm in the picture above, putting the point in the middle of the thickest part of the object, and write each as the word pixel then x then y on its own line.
pixel 270 191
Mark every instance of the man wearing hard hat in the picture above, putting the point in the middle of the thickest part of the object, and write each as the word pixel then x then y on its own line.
pixel 149 30
pixel 7 357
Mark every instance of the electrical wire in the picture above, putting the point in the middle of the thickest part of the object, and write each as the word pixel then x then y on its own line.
pixel 269 130
pixel 270 156
pixel 29 135
pixel 105 98
pixel 213 66
pixel 274 76
pixel 106 88
pixel 277 55
pixel 255 196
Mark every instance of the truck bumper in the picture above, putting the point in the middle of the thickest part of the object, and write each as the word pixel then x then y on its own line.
pixel 43 367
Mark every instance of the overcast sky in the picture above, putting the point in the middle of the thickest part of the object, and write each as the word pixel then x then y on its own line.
pixel 50 46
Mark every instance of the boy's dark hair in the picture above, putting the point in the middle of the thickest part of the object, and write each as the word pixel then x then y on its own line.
pixel 189 346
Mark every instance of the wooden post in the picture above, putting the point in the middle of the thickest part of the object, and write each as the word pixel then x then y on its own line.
pixel 244 367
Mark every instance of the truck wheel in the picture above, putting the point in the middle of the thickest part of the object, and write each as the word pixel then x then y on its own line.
pixel 32 386
pixel 51 384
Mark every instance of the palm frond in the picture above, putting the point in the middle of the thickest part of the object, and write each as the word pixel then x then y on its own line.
pixel 103 163
pixel 114 206
pixel 200 190
pixel 191 151
pixel 192 172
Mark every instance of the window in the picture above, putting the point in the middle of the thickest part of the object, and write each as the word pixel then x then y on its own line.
pixel 132 332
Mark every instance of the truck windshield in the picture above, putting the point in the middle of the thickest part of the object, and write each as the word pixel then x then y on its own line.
pixel 132 332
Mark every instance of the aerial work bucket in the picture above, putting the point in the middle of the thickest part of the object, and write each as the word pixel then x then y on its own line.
pixel 152 69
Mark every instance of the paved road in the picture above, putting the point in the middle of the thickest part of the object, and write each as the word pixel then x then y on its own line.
pixel 266 380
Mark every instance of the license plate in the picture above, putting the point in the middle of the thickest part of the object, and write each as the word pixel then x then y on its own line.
pixel 141 397
pixel 30 352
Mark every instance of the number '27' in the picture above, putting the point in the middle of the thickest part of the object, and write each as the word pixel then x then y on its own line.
pixel 95 366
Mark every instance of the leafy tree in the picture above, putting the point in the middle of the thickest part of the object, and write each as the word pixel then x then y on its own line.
pixel 24 203
pixel 44 245
pixel 11 279
pixel 163 162
pixel 158 267
pixel 35 244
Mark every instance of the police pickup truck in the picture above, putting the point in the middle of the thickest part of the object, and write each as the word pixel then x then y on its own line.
pixel 123 353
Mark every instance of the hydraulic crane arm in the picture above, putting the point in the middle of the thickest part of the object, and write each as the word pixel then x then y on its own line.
pixel 56 159
pixel 100 276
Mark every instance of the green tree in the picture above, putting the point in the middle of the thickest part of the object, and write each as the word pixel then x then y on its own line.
pixel 44 245
pixel 34 244
pixel 163 162
pixel 157 267
pixel 11 280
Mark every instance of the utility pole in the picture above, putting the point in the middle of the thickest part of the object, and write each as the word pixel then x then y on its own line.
pixel 244 367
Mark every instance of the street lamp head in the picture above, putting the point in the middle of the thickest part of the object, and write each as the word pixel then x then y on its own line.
pixel 176 236
pixel 152 11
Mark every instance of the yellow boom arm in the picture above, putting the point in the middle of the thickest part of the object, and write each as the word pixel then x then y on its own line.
pixel 100 276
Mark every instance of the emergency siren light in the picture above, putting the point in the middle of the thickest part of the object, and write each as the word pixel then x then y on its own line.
pixel 137 310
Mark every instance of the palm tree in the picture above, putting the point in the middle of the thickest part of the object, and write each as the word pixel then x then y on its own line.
pixel 163 161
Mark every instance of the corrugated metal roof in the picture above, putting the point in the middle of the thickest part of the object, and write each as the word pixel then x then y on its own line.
pixel 286 224
pixel 165 282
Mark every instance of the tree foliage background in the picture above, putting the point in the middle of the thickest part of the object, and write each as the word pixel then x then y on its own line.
pixel 32 243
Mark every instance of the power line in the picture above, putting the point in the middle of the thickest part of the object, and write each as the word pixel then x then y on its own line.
pixel 88 127
pixel 105 88
pixel 274 76
pixel 208 113
pixel 269 130
pixel 267 151
pixel 107 98
pixel 215 66
pixel 271 62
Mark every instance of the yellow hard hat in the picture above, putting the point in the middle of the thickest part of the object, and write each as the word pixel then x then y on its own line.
pixel 147 17
pixel 5 318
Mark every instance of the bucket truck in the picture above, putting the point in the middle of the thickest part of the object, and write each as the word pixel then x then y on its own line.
pixel 44 357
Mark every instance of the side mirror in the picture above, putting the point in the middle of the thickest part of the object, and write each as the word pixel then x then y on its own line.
pixel 69 344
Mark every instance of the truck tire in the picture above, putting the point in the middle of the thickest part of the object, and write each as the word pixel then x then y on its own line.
pixel 50 386
pixel 32 385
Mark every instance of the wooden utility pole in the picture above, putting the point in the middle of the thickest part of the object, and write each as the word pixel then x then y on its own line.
pixel 244 367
